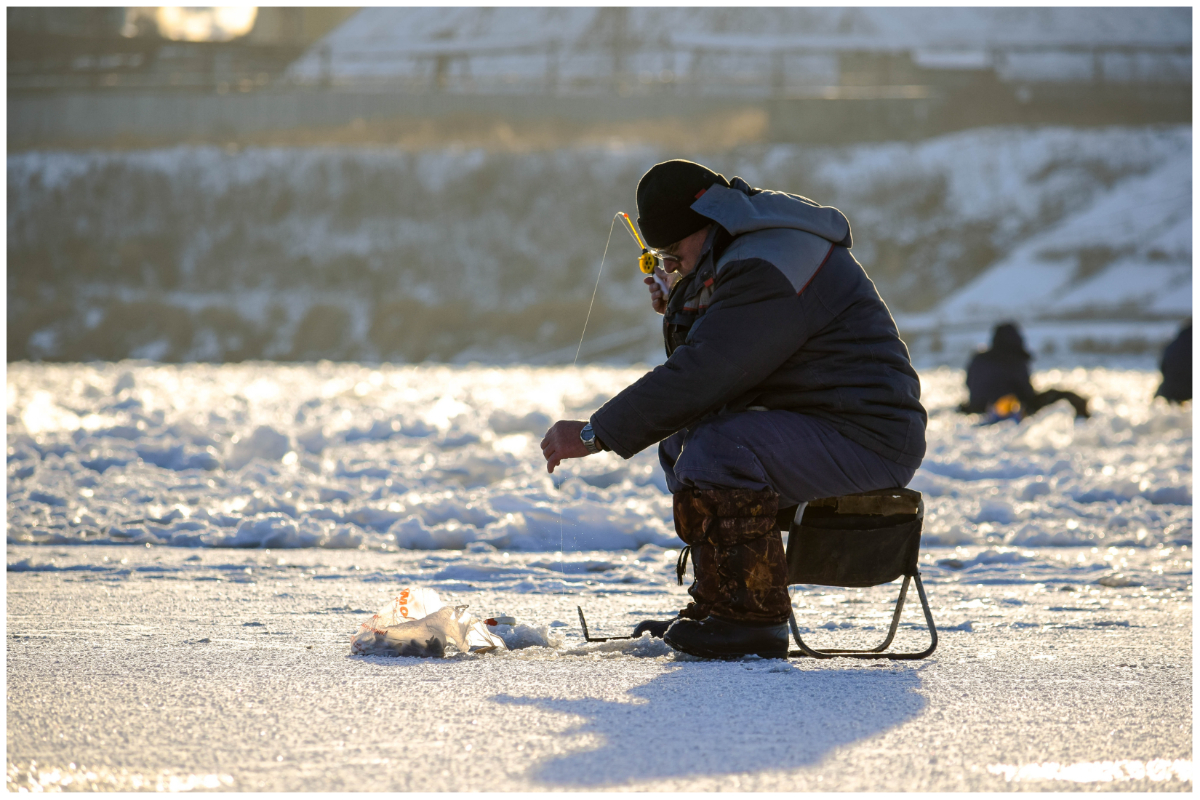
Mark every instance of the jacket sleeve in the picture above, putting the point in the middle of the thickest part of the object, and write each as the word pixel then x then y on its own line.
pixel 753 324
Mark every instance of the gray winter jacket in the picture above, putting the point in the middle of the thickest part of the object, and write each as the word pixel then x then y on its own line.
pixel 777 314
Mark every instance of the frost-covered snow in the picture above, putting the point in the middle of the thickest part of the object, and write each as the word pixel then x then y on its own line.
pixel 1057 560
pixel 442 458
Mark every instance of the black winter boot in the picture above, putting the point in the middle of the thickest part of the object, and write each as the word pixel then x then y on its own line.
pixel 713 637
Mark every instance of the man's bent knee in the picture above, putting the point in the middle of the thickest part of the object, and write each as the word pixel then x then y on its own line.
pixel 708 459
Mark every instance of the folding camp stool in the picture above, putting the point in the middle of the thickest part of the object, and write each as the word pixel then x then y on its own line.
pixel 855 541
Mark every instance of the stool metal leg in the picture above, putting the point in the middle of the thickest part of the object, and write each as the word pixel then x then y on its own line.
pixel 875 652
pixel 829 653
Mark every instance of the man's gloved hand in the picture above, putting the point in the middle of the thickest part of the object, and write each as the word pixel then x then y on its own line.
pixel 562 442
pixel 660 286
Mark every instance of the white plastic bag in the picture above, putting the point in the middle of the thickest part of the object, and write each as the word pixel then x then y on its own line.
pixel 417 623
pixel 412 603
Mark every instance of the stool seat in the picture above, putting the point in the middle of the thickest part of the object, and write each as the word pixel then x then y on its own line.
pixel 855 541
pixel 879 501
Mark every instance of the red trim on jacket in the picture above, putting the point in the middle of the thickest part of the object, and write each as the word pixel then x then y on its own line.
pixel 818 269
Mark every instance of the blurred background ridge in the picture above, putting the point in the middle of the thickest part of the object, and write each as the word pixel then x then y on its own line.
pixel 899 73
pixel 434 183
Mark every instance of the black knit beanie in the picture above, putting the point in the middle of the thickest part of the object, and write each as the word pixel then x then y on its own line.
pixel 664 198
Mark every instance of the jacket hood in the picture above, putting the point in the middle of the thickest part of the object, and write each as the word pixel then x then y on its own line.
pixel 1008 342
pixel 741 209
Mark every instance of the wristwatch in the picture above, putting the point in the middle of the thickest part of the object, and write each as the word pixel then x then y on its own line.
pixel 588 437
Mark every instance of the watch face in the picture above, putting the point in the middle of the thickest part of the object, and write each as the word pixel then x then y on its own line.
pixel 588 437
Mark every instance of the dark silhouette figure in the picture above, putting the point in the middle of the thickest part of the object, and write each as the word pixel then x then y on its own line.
pixel 1002 372
pixel 1177 367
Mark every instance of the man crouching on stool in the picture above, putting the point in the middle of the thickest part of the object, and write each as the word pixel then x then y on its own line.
pixel 786 381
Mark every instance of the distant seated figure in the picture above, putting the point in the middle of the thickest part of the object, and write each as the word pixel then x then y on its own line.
pixel 998 381
pixel 1177 367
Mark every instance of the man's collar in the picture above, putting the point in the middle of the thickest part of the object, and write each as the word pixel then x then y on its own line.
pixel 708 243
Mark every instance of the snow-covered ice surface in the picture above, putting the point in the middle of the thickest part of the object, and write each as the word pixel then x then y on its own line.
pixel 225 669
pixel 1057 559
pixel 440 457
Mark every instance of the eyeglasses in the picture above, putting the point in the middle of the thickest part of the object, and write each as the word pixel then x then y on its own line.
pixel 664 256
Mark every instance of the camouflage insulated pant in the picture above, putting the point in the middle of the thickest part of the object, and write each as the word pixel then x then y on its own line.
pixel 737 554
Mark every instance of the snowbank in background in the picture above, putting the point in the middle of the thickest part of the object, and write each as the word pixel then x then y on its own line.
pixel 432 458
pixel 1130 247
pixel 378 254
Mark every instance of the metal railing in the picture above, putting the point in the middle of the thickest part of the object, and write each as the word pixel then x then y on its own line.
pixel 761 67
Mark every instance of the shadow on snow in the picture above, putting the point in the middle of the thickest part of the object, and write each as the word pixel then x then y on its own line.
pixel 728 718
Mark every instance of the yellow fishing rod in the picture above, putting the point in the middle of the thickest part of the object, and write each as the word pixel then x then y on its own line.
pixel 648 260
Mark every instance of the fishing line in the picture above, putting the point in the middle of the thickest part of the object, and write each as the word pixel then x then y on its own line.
pixel 561 554
pixel 596 289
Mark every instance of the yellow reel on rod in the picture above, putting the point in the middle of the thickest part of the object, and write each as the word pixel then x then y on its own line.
pixel 647 262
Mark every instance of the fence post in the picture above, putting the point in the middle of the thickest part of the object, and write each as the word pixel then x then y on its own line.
pixel 620 45
pixel 326 69
pixel 552 67
pixel 778 78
